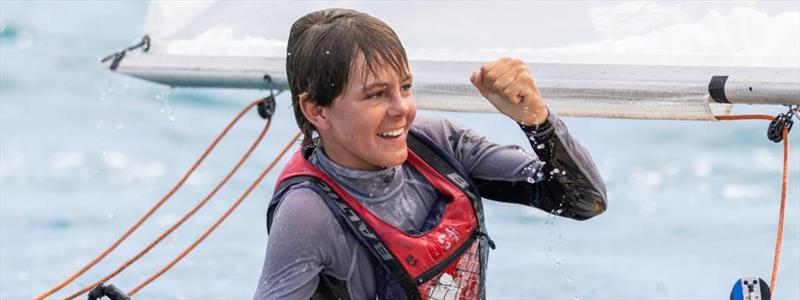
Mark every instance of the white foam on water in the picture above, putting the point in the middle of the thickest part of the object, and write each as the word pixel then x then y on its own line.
pixel 115 159
pixel 649 178
pixel 743 191
pixel 167 219
pixel 129 171
pixel 13 165
pixel 702 168
pixel 144 171
pixel 199 178
pixel 66 160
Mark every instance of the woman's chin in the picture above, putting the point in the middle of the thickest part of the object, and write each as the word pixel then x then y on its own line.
pixel 397 158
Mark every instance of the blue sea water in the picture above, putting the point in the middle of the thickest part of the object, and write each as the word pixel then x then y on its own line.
pixel 84 152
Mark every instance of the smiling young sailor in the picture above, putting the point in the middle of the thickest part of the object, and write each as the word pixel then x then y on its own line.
pixel 386 205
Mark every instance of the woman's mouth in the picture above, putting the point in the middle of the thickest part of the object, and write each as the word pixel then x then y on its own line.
pixel 392 134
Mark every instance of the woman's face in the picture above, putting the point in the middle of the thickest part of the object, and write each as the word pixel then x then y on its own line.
pixel 368 123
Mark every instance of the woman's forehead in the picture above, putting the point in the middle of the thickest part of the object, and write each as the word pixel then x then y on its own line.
pixel 379 71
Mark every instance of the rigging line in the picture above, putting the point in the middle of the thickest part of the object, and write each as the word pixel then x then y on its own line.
pixel 152 210
pixel 219 221
pixel 182 219
pixel 784 191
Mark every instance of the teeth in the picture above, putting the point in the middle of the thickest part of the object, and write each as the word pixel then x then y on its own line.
pixel 392 133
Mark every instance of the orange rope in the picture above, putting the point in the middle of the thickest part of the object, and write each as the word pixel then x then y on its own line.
pixel 745 117
pixel 219 221
pixel 152 210
pixel 784 191
pixel 182 219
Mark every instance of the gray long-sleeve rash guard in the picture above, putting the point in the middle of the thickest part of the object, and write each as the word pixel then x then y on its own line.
pixel 306 240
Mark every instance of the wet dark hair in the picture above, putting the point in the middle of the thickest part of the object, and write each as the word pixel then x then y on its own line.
pixel 322 49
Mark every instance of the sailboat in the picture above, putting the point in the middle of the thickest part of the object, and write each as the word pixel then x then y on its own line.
pixel 631 60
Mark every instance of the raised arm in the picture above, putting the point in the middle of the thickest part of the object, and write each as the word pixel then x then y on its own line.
pixel 559 177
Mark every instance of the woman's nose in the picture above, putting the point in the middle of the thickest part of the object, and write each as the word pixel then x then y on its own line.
pixel 399 105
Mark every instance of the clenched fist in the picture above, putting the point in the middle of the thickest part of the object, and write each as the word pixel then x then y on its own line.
pixel 508 85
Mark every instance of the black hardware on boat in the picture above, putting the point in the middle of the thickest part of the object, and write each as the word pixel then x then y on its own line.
pixel 267 106
pixel 110 291
pixel 716 89
pixel 781 121
pixel 117 57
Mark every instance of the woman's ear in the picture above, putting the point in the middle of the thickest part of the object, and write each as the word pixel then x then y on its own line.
pixel 313 112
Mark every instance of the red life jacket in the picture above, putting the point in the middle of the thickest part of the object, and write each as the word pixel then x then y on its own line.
pixel 444 262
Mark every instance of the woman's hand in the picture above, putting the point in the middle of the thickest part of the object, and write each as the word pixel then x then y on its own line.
pixel 508 85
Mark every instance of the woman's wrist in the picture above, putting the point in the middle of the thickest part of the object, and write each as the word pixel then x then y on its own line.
pixel 538 117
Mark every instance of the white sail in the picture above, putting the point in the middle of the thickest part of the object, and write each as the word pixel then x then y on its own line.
pixel 651 60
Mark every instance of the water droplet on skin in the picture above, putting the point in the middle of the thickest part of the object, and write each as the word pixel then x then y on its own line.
pixel 327 52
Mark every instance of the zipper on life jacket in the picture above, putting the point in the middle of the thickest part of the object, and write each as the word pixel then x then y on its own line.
pixel 427 275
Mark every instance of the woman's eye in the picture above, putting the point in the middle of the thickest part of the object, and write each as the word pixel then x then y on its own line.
pixel 406 87
pixel 375 95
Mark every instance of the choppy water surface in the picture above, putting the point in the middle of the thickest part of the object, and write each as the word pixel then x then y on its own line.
pixel 84 152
